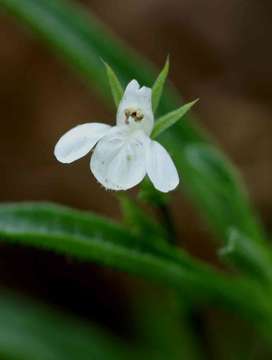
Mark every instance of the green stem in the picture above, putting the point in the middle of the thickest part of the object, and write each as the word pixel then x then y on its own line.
pixel 168 223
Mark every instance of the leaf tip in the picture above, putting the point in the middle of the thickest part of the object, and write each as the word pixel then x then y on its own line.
pixel 192 103
pixel 167 62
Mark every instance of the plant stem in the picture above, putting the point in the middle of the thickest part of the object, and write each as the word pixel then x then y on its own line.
pixel 168 223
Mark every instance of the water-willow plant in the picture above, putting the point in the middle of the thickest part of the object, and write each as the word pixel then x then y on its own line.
pixel 207 176
pixel 125 153
pixel 145 252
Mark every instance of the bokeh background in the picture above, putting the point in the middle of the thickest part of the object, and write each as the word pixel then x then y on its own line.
pixel 220 52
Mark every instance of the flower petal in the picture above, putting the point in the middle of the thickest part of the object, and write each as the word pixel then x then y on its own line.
pixel 118 159
pixel 136 98
pixel 160 168
pixel 78 141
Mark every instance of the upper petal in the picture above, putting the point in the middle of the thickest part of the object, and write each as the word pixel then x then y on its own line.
pixel 118 160
pixel 136 98
pixel 78 141
pixel 160 168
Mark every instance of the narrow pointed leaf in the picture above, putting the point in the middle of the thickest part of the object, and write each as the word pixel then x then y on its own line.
pixel 158 86
pixel 115 85
pixel 91 238
pixel 170 119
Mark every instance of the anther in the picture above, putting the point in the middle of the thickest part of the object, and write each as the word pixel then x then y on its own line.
pixel 137 115
pixel 127 115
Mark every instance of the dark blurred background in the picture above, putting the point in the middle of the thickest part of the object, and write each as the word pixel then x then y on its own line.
pixel 220 52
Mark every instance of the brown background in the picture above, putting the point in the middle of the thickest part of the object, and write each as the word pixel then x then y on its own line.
pixel 220 52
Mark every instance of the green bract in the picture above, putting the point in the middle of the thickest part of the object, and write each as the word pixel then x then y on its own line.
pixel 165 121
pixel 158 86
pixel 116 88
pixel 170 119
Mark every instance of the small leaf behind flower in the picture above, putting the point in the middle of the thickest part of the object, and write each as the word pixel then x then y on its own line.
pixel 158 85
pixel 115 85
pixel 168 120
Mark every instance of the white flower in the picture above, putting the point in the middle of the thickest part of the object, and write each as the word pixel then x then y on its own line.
pixel 124 153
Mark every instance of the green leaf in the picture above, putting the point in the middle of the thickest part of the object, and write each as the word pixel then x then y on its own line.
pixel 158 86
pixel 29 330
pixel 92 238
pixel 170 119
pixel 116 87
pixel 215 192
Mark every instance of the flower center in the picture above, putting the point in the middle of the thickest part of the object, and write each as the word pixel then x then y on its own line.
pixel 136 114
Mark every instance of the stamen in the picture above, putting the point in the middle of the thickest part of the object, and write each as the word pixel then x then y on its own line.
pixel 127 115
pixel 139 115
pixel 136 114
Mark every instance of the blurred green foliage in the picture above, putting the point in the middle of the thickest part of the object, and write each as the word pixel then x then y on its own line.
pixel 207 177
pixel 31 331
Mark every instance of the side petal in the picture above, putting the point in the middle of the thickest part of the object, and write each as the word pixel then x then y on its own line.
pixel 160 168
pixel 118 159
pixel 78 141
